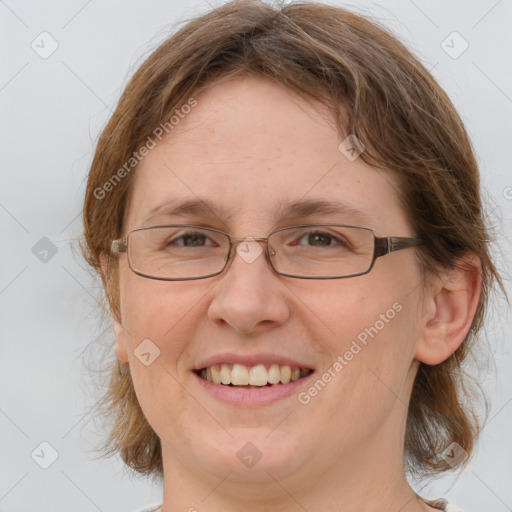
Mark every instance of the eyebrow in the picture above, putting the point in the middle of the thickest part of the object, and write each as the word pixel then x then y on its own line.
pixel 294 209
pixel 310 207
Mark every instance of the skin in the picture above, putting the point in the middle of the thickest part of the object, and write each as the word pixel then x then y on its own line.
pixel 247 145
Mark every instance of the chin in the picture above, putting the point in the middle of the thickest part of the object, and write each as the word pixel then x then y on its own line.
pixel 251 454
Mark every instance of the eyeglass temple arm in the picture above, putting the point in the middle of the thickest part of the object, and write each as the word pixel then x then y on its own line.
pixel 118 246
pixel 389 244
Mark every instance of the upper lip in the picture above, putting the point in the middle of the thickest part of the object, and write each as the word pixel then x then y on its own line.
pixel 251 360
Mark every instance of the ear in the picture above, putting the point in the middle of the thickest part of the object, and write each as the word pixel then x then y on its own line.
pixel 448 309
pixel 119 330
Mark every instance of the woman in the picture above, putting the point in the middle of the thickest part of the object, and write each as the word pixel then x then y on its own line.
pixel 284 210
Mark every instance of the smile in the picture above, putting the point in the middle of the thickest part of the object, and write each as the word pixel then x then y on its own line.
pixel 259 375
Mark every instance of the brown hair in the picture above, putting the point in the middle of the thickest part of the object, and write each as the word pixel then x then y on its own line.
pixel 393 104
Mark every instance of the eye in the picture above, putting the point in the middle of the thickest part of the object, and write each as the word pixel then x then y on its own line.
pixel 322 239
pixel 191 239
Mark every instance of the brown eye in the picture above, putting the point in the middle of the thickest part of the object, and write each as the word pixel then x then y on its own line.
pixel 321 239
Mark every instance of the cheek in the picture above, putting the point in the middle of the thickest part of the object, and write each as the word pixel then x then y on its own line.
pixel 367 329
pixel 346 310
pixel 154 338
pixel 159 310
pixel 371 373
pixel 159 323
pixel 164 402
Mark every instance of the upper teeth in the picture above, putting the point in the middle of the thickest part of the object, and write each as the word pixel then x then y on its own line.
pixel 258 375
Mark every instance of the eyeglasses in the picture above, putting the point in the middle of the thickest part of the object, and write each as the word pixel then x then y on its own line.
pixel 181 252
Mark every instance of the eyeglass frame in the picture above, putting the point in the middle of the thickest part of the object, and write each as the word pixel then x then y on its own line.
pixel 382 246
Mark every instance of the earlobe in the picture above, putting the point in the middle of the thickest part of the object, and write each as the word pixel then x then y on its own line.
pixel 449 309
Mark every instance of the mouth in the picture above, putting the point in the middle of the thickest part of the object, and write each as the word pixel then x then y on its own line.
pixel 252 377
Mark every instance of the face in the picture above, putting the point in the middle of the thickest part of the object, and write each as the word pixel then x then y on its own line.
pixel 248 148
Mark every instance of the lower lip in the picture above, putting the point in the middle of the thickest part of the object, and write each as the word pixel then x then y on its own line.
pixel 252 396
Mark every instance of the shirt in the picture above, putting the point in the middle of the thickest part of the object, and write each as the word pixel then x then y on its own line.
pixel 441 504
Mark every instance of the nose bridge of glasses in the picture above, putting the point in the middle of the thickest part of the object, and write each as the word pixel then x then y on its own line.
pixel 235 241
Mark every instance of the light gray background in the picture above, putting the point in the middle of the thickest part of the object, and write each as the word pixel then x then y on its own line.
pixel 51 113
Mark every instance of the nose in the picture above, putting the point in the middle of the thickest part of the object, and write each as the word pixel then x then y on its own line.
pixel 250 296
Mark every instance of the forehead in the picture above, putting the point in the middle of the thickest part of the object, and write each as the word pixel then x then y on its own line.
pixel 251 148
